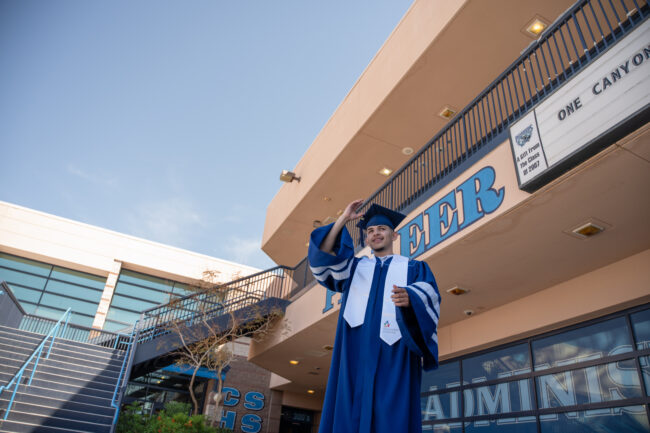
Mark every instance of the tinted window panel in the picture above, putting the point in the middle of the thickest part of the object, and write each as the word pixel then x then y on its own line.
pixel 608 382
pixel 645 368
pixel 592 342
pixel 65 303
pixel 24 265
pixel 631 419
pixel 497 399
pixel 440 406
pixel 28 295
pixel 139 292
pixel 498 364
pixel 130 304
pixel 442 428
pixel 20 278
pixel 122 316
pixel 447 375
pixel 641 326
pixel 76 277
pixel 75 291
pixel 114 326
pixel 503 425
pixel 146 280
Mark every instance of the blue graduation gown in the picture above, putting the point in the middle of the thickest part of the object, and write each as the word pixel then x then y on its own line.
pixel 374 387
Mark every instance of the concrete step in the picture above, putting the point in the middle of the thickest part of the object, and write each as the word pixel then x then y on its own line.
pixel 13 365
pixel 58 422
pixel 69 379
pixel 54 403
pixel 17 352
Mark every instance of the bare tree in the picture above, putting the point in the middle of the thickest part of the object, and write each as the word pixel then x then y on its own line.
pixel 207 322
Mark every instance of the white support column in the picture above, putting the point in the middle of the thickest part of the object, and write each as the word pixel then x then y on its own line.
pixel 107 295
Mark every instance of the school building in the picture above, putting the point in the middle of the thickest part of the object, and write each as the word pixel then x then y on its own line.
pixel 514 135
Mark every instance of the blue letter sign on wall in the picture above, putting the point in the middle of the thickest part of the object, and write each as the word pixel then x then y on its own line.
pixel 476 195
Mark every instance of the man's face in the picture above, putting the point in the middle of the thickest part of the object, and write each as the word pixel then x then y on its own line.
pixel 380 238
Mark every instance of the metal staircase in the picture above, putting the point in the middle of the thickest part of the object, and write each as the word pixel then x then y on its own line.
pixel 71 391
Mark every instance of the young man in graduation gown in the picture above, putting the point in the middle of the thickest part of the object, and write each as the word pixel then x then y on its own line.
pixel 387 326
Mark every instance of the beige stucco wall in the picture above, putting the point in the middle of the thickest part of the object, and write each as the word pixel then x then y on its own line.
pixel 611 288
pixel 424 21
pixel 61 241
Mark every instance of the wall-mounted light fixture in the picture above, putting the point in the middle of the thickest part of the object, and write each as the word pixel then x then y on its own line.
pixel 288 176
pixel 385 171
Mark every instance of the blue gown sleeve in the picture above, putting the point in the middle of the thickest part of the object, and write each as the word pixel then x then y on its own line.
pixel 331 271
pixel 419 322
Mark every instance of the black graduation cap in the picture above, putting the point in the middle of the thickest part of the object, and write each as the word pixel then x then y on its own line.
pixel 379 215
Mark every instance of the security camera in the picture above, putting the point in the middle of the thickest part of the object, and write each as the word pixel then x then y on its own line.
pixel 468 312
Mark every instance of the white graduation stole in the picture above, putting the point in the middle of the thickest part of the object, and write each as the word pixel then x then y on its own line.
pixel 357 303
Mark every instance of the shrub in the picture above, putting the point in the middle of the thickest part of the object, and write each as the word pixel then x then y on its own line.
pixel 173 419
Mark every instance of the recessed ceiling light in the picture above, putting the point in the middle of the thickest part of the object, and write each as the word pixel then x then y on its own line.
pixel 535 27
pixel 457 291
pixel 385 171
pixel 310 391
pixel 294 362
pixel 407 150
pixel 326 198
pixel 588 230
pixel 447 112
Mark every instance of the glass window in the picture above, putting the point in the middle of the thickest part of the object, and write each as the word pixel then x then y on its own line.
pixel 27 295
pixel 111 326
pixel 498 399
pixel 22 279
pixel 26 265
pixel 77 305
pixel 443 428
pixel 645 369
pixel 122 316
pixel 503 425
pixel 440 406
pixel 62 288
pixel 81 278
pixel 602 339
pixel 131 304
pixel 498 364
pixel 641 326
pixel 446 375
pixel 51 313
pixel 631 419
pixel 146 280
pixel 28 307
pixel 607 382
pixel 140 292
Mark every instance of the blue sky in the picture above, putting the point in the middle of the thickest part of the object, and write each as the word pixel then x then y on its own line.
pixel 171 120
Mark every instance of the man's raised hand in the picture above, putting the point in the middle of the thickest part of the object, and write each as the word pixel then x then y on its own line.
pixel 350 211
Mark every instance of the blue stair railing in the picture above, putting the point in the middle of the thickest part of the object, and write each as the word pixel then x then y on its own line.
pixel 120 387
pixel 57 329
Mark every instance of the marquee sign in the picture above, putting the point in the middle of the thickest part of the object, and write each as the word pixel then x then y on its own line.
pixel 574 122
